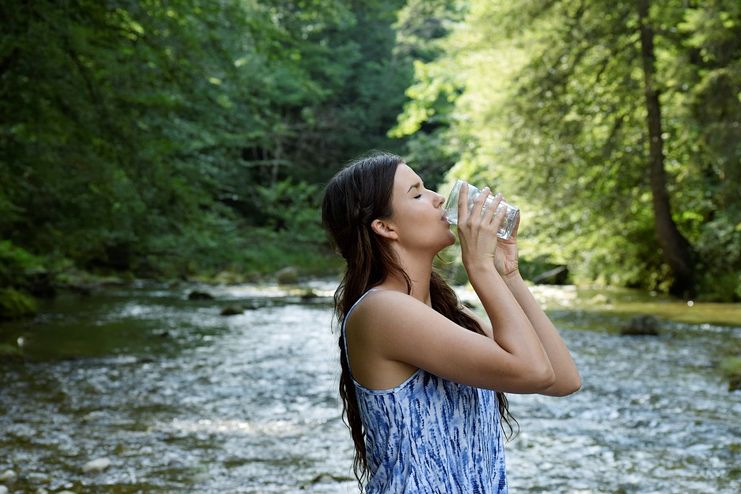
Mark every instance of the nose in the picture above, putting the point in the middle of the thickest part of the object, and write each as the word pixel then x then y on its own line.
pixel 439 200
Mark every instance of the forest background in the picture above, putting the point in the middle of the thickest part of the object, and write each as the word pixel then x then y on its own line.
pixel 191 139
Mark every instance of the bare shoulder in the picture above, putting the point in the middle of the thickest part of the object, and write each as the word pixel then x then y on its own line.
pixel 369 329
pixel 381 310
pixel 388 322
pixel 384 314
pixel 393 327
pixel 388 308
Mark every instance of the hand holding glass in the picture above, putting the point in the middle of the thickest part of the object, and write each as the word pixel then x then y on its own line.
pixel 510 216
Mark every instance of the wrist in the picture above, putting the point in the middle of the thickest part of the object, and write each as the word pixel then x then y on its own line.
pixel 480 275
pixel 479 266
pixel 513 276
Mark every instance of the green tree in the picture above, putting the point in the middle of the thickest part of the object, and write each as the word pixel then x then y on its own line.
pixel 136 135
pixel 554 101
pixel 675 247
pixel 422 30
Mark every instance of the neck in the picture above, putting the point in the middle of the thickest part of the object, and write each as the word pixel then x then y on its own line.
pixel 419 269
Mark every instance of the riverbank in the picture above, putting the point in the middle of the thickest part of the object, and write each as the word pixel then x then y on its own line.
pixel 615 305
pixel 263 255
pixel 267 257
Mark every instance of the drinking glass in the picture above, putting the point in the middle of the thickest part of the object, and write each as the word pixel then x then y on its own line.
pixel 510 216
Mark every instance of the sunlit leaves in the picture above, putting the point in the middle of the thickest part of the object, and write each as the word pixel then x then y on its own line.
pixel 553 101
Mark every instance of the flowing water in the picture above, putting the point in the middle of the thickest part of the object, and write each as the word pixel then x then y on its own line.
pixel 178 398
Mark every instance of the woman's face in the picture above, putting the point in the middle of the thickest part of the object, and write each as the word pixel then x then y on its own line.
pixel 418 215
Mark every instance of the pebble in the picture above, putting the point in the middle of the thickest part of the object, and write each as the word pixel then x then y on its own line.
pixel 7 475
pixel 96 465
pixel 3 489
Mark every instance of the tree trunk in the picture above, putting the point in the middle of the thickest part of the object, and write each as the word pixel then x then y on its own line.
pixel 675 248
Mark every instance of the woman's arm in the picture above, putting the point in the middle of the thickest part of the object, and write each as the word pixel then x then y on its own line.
pixel 391 326
pixel 567 376
pixel 511 326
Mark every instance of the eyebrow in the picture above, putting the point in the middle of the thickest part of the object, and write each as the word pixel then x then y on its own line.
pixel 413 186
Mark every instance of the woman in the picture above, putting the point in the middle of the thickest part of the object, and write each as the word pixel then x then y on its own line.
pixel 423 377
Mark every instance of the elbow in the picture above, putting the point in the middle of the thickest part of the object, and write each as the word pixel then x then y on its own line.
pixel 564 387
pixel 545 377
pixel 576 385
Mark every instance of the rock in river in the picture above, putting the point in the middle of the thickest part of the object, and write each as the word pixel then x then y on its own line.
pixel 96 465
pixel 287 276
pixel 231 310
pixel 199 295
pixel 641 326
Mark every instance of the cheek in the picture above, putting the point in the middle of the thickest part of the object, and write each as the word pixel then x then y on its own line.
pixel 408 216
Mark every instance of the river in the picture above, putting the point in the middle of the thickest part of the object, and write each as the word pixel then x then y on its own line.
pixel 170 396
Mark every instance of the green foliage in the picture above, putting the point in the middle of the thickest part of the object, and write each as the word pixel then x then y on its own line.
pixel 552 113
pixel 16 264
pixel 135 134
pixel 22 274
pixel 15 304
pixel 188 138
pixel 426 119
pixel 719 248
pixel 293 208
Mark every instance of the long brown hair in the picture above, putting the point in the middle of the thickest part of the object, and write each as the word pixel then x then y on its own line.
pixel 356 195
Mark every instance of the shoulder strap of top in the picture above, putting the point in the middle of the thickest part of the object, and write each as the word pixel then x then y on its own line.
pixel 344 324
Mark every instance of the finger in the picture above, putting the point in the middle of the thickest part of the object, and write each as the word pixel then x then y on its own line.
pixel 516 222
pixel 463 203
pixel 478 206
pixel 501 212
pixel 491 209
pixel 515 227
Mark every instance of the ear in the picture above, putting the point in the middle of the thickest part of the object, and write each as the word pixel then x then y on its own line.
pixel 385 229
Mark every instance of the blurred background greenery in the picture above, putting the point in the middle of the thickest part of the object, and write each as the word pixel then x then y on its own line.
pixel 191 139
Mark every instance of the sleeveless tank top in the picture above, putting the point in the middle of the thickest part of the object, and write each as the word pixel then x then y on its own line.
pixel 429 435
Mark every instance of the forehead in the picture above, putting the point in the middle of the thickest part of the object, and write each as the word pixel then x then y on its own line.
pixel 405 177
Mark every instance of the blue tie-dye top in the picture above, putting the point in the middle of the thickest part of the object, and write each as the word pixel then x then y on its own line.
pixel 430 435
